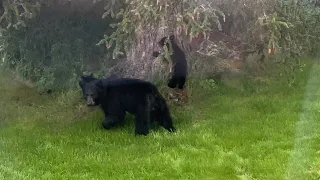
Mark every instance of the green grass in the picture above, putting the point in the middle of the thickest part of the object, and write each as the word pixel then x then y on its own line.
pixel 270 132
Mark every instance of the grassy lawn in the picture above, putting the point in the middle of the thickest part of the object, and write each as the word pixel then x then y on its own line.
pixel 270 132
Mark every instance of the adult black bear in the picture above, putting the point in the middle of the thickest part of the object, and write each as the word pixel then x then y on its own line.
pixel 121 95
pixel 179 63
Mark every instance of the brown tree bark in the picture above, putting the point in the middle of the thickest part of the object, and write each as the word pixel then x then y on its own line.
pixel 139 62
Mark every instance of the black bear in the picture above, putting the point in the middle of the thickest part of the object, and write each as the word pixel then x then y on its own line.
pixel 120 95
pixel 179 62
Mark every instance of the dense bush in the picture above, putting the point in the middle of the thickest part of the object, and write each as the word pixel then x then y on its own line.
pixel 55 48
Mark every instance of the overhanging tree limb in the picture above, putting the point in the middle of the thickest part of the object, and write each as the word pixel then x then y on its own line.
pixel 14 13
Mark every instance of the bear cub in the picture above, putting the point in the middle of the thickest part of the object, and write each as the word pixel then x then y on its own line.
pixel 179 62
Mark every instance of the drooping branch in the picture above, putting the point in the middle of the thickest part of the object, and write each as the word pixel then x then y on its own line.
pixel 14 13
pixel 187 17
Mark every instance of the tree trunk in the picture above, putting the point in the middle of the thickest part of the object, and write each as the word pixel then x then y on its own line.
pixel 139 62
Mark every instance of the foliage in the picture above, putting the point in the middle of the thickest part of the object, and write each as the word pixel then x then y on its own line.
pixel 305 18
pixel 208 84
pixel 276 24
pixel 190 17
pixel 15 13
pixel 299 34
pixel 55 48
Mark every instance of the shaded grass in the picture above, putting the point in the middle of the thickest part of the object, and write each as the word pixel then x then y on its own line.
pixel 223 133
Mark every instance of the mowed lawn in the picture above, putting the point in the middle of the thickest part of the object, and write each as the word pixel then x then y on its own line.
pixel 270 133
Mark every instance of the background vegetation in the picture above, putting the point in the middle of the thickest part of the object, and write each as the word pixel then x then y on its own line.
pixel 48 42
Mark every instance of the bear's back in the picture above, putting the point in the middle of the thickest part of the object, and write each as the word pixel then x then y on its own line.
pixel 129 85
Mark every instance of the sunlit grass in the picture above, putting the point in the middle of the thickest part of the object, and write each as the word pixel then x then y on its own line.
pixel 229 134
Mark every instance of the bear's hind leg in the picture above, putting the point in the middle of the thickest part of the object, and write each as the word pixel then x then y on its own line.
pixel 161 114
pixel 166 121
pixel 173 82
pixel 182 81
pixel 141 123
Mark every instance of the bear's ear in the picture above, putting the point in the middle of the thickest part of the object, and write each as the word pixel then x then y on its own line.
pixel 171 37
pixel 83 78
pixel 91 75
pixel 81 83
pixel 155 54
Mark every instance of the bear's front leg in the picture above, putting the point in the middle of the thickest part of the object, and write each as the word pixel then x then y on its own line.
pixel 114 115
pixel 110 121
pixel 166 122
